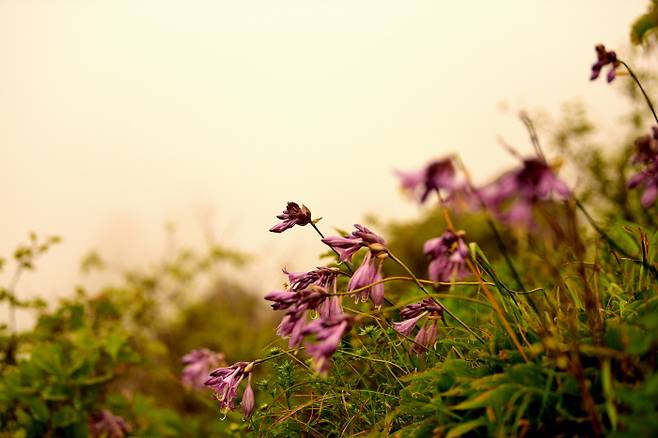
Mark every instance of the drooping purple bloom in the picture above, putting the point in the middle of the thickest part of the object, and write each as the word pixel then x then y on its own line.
pixel 436 176
pixel 646 153
pixel 328 334
pixel 412 313
pixel 406 326
pixel 369 272
pixel 649 179
pixel 346 246
pixel 426 336
pixel 225 381
pixel 248 399
pixel 298 304
pixel 524 187
pixel 646 148
pixel 291 216
pixel 322 276
pixel 106 424
pixel 603 58
pixel 198 364
pixel 448 255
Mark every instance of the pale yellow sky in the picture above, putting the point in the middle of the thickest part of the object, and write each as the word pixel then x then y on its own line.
pixel 116 116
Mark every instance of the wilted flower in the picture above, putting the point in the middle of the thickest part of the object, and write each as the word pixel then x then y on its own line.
pixel 328 334
pixel 106 424
pixel 225 381
pixel 436 176
pixel 447 255
pixel 603 58
pixel 347 246
pixel 197 366
pixel 291 216
pixel 533 182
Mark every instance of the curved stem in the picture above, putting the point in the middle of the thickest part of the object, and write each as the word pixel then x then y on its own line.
pixel 610 241
pixel 349 268
pixel 420 285
pixel 639 84
pixel 265 359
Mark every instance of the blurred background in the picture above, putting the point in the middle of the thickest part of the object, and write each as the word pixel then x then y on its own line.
pixel 117 118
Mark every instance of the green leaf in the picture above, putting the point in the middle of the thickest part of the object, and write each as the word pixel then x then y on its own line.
pixel 495 397
pixel 39 409
pixel 466 427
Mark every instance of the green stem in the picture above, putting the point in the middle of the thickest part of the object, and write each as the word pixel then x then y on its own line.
pixel 420 285
pixel 349 268
pixel 611 242
pixel 639 84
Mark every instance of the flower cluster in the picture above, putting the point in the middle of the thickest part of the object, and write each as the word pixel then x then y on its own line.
pixel 308 291
pixel 412 314
pixel 448 255
pixel 435 176
pixel 291 216
pixel 198 364
pixel 370 270
pixel 603 58
pixel 533 182
pixel 225 381
pixel 646 153
pixel 106 424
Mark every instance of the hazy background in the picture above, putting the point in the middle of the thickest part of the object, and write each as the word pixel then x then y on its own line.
pixel 119 116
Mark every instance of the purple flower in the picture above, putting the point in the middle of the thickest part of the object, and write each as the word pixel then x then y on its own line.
pixel 322 276
pixel 646 148
pixel 291 216
pixel 248 399
pixel 109 425
pixel 297 303
pixel 225 381
pixel 197 366
pixel 603 58
pixel 649 179
pixel 646 152
pixel 406 326
pixel 426 336
pixel 435 176
pixel 533 182
pixel 412 313
pixel 448 255
pixel 346 246
pixel 328 334
pixel 369 272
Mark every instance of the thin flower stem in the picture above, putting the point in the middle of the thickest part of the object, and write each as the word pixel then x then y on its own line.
pixel 499 311
pixel 349 268
pixel 373 359
pixel 639 84
pixel 402 278
pixel 420 285
pixel 610 241
pixel 265 359
pixel 499 240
